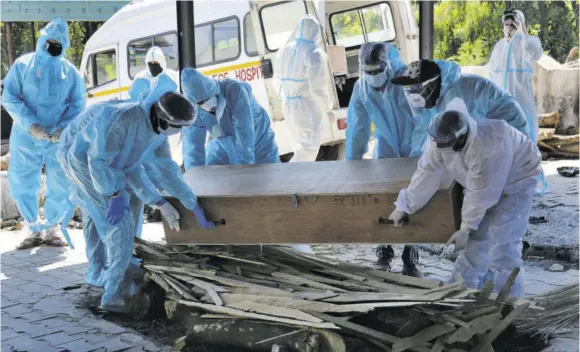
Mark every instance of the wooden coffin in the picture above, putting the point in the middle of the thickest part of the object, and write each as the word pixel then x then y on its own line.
pixel 322 202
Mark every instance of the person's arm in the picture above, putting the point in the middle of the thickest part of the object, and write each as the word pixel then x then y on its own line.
pixel 193 146
pixel 484 183
pixel 318 78
pixel 12 98
pixel 76 98
pixel 424 183
pixel 358 130
pixel 502 106
pixel 533 48
pixel 106 144
pixel 167 175
pixel 243 124
pixel 139 179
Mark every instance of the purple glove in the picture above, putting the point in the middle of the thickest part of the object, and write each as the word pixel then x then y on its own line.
pixel 201 220
pixel 116 209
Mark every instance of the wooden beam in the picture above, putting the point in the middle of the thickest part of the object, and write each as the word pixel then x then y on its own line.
pixel 324 202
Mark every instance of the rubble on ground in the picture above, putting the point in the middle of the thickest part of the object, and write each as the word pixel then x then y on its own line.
pixel 263 298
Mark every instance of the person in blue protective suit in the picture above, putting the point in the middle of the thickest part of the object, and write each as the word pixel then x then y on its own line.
pixel 430 85
pixel 511 67
pixel 105 158
pixel 43 92
pixel 238 126
pixel 499 167
pixel 376 100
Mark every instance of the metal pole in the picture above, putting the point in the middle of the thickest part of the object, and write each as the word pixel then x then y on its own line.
pixel 186 32
pixel 33 32
pixel 9 43
pixel 426 25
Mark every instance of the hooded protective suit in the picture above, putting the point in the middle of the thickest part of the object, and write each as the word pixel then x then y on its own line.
pixel 498 166
pixel 155 53
pixel 239 128
pixel 511 67
pixel 387 108
pixel 48 92
pixel 483 98
pixel 301 75
pixel 106 150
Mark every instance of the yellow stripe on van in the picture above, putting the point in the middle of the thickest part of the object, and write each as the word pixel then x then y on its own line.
pixel 207 73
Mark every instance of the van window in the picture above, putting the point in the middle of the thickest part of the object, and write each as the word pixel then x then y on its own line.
pixel 249 36
pixel 357 26
pixel 218 41
pixel 137 50
pixel 279 21
pixel 101 68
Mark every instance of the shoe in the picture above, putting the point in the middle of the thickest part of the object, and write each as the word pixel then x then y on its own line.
pixel 385 255
pixel 31 241
pixel 53 238
pixel 410 260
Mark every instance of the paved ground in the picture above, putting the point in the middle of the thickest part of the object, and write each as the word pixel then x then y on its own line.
pixel 39 311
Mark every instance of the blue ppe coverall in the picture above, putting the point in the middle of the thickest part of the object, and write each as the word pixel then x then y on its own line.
pixel 387 109
pixel 46 91
pixel 483 99
pixel 240 128
pixel 105 151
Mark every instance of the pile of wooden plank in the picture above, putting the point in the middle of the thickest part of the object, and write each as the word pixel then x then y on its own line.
pixel 273 298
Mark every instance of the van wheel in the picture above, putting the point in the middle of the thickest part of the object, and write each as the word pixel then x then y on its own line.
pixel 331 152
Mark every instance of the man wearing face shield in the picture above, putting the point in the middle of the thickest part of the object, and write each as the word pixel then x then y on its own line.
pixel 512 65
pixel 157 65
pixel 238 126
pixel 43 93
pixel 302 75
pixel 430 85
pixel 376 100
pixel 498 166
pixel 105 153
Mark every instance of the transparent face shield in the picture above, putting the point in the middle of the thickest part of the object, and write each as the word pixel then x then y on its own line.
pixel 376 76
pixel 449 130
pixel 420 95
pixel 166 124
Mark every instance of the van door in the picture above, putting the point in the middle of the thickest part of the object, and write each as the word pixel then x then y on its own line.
pixel 102 76
pixel 274 22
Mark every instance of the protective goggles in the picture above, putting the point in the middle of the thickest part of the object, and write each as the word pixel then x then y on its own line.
pixel 166 120
pixel 509 15
pixel 373 70
pixel 418 88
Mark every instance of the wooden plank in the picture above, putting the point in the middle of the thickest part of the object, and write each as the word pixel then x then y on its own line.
pixel 425 335
pixel 477 326
pixel 360 191
pixel 283 312
pixel 182 290
pixel 240 313
pixel 501 326
pixel 299 280
pixel 364 331
pixel 403 279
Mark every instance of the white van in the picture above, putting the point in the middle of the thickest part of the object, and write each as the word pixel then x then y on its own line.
pixel 226 45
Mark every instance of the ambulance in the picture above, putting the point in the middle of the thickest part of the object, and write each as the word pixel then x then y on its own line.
pixel 239 39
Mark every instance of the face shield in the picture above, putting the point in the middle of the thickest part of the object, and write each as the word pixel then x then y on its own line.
pixel 421 96
pixel 171 113
pixel 449 130
pixel 376 75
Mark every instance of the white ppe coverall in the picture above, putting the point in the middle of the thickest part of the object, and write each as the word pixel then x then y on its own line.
pixel 498 167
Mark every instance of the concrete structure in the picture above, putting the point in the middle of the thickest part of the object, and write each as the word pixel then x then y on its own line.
pixel 556 88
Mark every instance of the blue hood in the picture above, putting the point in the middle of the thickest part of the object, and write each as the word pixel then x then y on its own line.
pixel 450 74
pixel 197 87
pixel 55 30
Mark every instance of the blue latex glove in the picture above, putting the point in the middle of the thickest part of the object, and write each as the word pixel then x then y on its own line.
pixel 201 220
pixel 116 209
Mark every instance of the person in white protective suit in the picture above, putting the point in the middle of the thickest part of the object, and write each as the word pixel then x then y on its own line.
pixel 301 73
pixel 498 166
pixel 511 66
pixel 156 65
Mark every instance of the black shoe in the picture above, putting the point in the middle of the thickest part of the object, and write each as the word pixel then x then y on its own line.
pixel 410 260
pixel 384 255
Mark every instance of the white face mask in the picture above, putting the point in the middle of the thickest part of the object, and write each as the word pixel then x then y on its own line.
pixel 416 100
pixel 170 131
pixel 378 80
pixel 210 105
